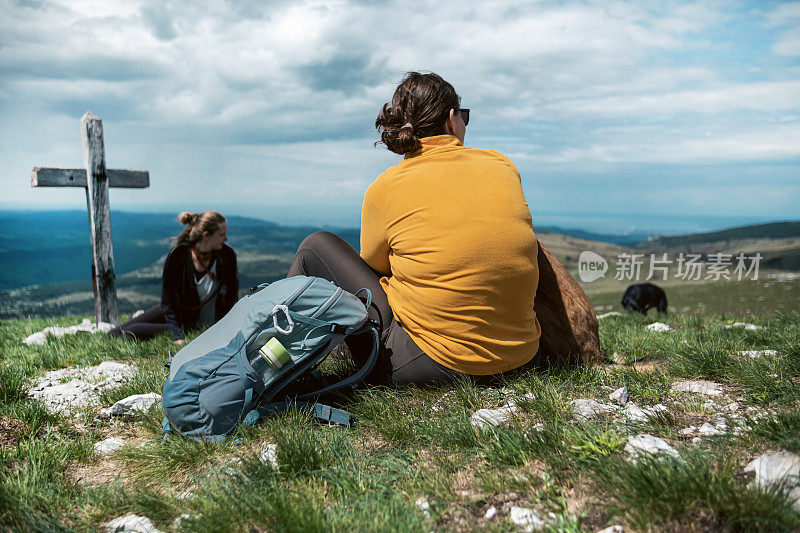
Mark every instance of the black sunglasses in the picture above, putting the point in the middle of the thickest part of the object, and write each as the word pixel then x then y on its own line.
pixel 464 116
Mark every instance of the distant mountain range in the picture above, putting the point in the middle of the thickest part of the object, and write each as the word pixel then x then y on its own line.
pixel 46 258
pixel 772 230
pixel 777 242
pixel 625 239
pixel 39 247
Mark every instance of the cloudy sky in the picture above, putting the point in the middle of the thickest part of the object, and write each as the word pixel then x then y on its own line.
pixel 656 115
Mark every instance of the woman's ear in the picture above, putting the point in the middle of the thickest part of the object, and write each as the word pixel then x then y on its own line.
pixel 448 123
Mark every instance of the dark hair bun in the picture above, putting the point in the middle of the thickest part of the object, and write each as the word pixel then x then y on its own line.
pixel 397 134
pixel 187 218
pixel 420 108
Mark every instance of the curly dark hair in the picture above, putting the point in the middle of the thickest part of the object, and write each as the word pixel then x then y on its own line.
pixel 420 106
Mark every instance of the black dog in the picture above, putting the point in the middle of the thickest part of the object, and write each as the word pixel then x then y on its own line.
pixel 643 296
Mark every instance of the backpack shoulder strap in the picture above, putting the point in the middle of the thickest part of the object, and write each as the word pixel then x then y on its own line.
pixel 360 374
pixel 322 412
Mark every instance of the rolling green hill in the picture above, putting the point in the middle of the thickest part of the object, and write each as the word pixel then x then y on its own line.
pixel 773 230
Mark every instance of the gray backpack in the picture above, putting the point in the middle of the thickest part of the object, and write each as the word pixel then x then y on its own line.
pixel 234 371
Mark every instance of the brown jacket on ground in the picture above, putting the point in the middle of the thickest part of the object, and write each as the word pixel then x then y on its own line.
pixel 567 318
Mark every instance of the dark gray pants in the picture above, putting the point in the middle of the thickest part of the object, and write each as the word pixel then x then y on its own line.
pixel 328 256
pixel 145 326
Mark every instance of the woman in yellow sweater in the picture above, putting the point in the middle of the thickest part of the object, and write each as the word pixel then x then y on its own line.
pixel 447 247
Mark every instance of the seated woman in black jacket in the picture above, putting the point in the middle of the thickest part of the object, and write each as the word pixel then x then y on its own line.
pixel 199 285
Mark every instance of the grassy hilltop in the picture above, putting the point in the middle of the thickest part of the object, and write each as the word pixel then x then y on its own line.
pixel 415 462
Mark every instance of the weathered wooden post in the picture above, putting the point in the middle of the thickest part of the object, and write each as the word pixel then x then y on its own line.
pixel 94 161
pixel 96 179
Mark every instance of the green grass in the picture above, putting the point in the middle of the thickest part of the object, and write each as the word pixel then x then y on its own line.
pixel 694 489
pixel 780 430
pixel 746 299
pixel 419 443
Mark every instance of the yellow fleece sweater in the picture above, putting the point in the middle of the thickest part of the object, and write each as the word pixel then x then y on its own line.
pixel 451 232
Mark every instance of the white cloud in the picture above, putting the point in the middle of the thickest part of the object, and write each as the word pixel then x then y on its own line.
pixel 287 92
pixel 757 96
pixel 788 43
pixel 784 14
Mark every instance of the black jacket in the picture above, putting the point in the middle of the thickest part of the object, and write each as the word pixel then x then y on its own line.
pixel 179 293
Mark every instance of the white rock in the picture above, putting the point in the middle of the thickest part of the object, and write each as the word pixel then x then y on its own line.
pixel 269 455
pixel 513 402
pixel 699 386
pixel 526 518
pixel 658 326
pixel 606 315
pixel 640 445
pixel 620 395
pixel 69 389
pixel 138 403
pixel 424 506
pixel 783 276
pixel 634 413
pixel 131 523
pixel 177 522
pixel 743 325
pixel 108 446
pixel 492 417
pixel 612 529
pixel 587 409
pixel 40 337
pixel 756 414
pixel 688 431
pixel 707 429
pixel 774 468
pixel 754 354
pixel 732 407
pixel 697 440
pixel 720 423
pixel 657 408
pixel 490 512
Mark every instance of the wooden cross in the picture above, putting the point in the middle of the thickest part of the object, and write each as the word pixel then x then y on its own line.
pixel 96 179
